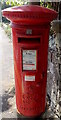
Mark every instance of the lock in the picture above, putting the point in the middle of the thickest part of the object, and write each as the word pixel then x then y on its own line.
pixel 43 74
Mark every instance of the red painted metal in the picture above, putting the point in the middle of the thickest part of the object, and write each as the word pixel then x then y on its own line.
pixel 30 29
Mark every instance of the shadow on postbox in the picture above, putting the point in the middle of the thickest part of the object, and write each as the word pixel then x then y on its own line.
pixel 30 32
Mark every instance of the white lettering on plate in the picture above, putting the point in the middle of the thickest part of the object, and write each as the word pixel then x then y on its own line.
pixel 29 59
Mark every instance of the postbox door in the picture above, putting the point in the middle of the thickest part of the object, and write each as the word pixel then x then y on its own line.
pixel 31 64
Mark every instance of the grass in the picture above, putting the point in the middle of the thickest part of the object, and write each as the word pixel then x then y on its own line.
pixel 7 29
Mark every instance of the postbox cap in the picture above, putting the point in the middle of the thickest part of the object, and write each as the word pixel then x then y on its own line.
pixel 32 14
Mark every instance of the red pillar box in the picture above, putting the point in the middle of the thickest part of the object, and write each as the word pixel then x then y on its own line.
pixel 30 31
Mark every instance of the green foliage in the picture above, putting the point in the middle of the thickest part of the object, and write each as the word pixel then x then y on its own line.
pixel 22 2
pixel 49 5
pixel 45 4
pixel 16 2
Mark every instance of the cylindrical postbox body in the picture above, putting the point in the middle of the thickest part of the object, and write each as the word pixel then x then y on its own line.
pixel 30 31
